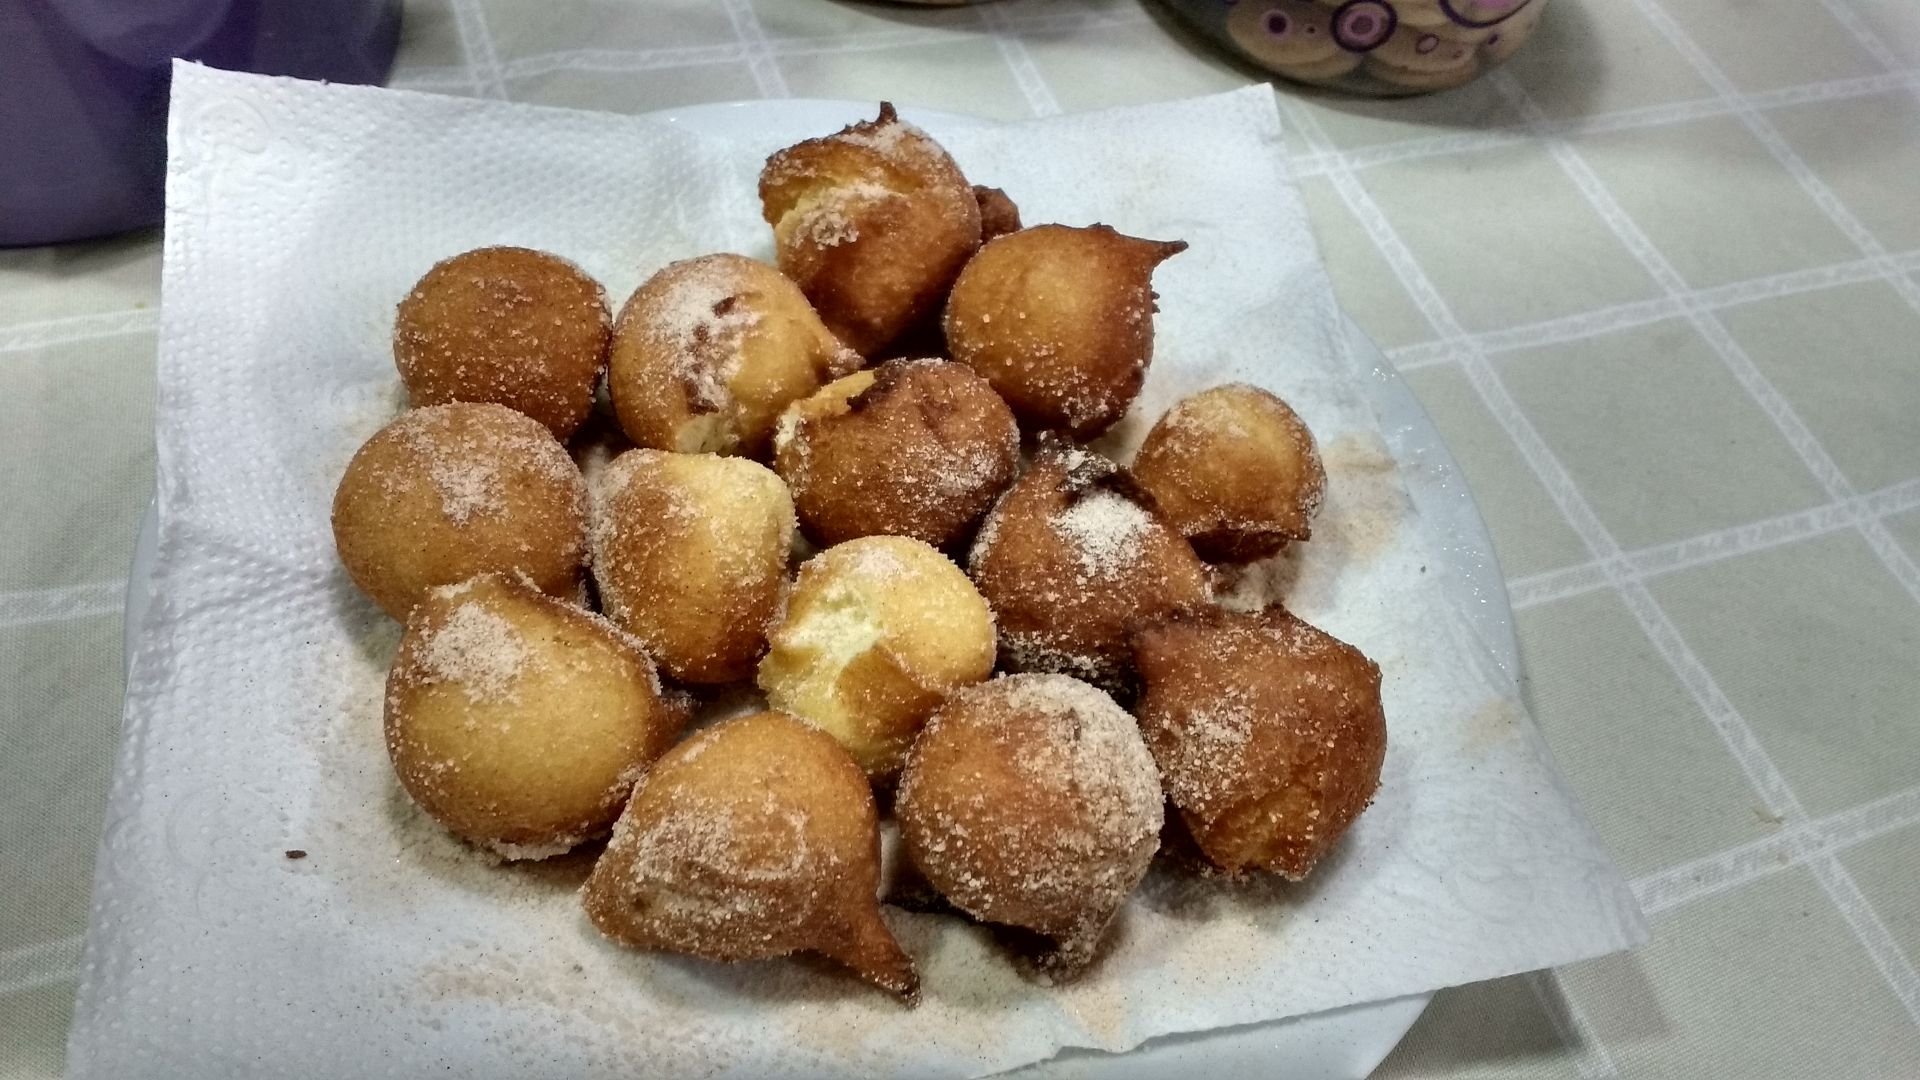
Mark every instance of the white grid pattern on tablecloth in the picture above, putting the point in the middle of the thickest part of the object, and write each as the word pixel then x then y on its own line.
pixel 1568 1019
pixel 1804 841
pixel 40 965
pixel 1590 1057
pixel 44 332
pixel 746 25
pixel 1866 924
pixel 476 44
pixel 1560 331
pixel 1644 563
pixel 1732 727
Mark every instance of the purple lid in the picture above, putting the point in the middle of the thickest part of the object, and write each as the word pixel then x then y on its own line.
pixel 83 93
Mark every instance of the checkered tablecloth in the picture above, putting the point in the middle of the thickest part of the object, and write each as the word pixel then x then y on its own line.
pixel 1658 282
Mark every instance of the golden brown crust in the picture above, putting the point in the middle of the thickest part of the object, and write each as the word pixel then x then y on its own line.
pixel 913 448
pixel 1060 321
pixel 518 721
pixel 875 632
pixel 998 215
pixel 690 553
pixel 506 325
pixel 448 492
pixel 707 352
pixel 1235 470
pixel 1031 801
pixel 873 221
pixel 1068 556
pixel 754 838
pixel 1269 733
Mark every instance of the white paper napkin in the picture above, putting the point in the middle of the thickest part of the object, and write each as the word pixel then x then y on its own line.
pixel 298 214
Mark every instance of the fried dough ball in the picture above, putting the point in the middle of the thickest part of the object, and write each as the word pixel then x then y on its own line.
pixel 1269 733
pixel 708 351
pixel 505 325
pixel 690 552
pixel 998 215
pixel 914 448
pixel 876 632
pixel 755 838
pixel 1070 554
pixel 1031 801
pixel 1235 471
pixel 1060 321
pixel 874 222
pixel 518 721
pixel 450 491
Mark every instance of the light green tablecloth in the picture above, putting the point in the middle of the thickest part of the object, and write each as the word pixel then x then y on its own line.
pixel 1658 282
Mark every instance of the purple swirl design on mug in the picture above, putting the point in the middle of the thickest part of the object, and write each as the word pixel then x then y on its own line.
pixel 1453 14
pixel 1363 25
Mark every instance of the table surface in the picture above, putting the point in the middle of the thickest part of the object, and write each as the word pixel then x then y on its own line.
pixel 1658 282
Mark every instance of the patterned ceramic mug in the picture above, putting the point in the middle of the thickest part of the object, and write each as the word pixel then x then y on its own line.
pixel 1370 46
pixel 1366 46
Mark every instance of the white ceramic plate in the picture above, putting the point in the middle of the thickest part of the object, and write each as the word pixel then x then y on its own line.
pixel 1340 1044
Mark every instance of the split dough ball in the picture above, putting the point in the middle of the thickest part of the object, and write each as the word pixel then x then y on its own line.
pixel 876 632
pixel 708 351
pixel 874 221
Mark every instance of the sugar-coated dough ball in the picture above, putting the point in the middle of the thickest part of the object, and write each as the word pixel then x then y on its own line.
pixel 875 633
pixel 518 721
pixel 505 325
pixel 916 448
pixel 1060 321
pixel 1235 471
pixel 448 492
pixel 1269 733
pixel 1069 556
pixel 689 553
pixel 873 221
pixel 755 838
pixel 1031 801
pixel 708 351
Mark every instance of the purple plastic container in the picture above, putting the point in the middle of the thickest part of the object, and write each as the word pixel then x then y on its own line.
pixel 83 93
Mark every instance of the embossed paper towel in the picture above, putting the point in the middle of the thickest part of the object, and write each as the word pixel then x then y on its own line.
pixel 297 215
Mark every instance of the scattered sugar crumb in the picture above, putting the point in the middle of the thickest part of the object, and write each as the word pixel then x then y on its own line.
pixel 1105 530
pixel 533 852
pixel 476 650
